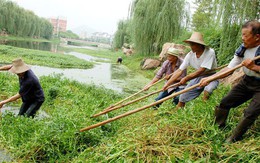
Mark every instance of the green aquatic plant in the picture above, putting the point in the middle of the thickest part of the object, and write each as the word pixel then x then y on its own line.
pixel 37 57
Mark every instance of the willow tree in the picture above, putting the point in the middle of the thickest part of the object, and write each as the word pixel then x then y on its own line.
pixel 231 15
pixel 20 22
pixel 122 34
pixel 155 22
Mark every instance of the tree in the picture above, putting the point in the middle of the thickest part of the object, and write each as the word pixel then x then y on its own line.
pixel 122 34
pixel 156 22
pixel 231 15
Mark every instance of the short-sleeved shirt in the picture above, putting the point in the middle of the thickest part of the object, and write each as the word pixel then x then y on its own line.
pixel 206 60
pixel 167 70
pixel 30 88
pixel 249 54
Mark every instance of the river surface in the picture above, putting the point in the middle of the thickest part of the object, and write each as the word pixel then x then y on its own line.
pixel 111 76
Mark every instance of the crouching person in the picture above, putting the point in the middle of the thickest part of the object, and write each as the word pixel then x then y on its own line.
pixel 30 91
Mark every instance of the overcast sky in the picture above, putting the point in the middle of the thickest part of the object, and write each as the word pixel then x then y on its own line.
pixel 101 15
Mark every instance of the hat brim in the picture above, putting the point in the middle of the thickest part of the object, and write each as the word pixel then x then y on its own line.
pixel 18 70
pixel 195 41
pixel 173 54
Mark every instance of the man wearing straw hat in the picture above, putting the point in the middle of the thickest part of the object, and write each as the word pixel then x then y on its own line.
pixel 30 89
pixel 201 58
pixel 249 86
pixel 172 63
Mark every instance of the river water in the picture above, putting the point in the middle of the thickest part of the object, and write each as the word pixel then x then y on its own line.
pixel 111 76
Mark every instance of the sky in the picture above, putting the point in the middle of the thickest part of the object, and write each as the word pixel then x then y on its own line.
pixel 100 15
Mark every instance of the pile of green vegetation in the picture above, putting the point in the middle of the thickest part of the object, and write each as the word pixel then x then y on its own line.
pixel 163 135
pixel 42 58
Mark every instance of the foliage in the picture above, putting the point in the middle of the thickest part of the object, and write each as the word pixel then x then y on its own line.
pixel 57 137
pixel 231 15
pixel 203 17
pixel 224 19
pixel 122 34
pixel 37 57
pixel 155 22
pixel 164 135
pixel 68 34
pixel 20 22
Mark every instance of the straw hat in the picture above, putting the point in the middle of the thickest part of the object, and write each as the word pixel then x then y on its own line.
pixel 173 51
pixel 196 37
pixel 19 66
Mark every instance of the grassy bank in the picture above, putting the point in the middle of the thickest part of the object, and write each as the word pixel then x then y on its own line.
pixel 43 58
pixel 161 136
pixel 164 135
pixel 132 62
pixel 29 39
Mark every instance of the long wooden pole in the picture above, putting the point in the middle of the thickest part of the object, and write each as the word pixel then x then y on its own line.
pixel 140 98
pixel 139 109
pixel 133 101
pixel 114 105
pixel 142 90
pixel 160 101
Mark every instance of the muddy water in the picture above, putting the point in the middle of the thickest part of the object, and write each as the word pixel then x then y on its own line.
pixel 111 76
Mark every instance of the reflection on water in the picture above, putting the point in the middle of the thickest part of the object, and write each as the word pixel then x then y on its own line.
pixel 45 46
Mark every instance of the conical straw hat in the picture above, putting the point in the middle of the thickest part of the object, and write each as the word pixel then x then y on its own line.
pixel 19 66
pixel 196 37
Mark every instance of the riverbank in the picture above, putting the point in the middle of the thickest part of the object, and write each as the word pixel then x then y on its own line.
pixel 28 39
pixel 132 62
pixel 163 135
pixel 37 57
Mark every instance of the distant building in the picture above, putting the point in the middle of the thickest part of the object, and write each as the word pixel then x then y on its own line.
pixel 59 24
pixel 83 35
pixel 101 37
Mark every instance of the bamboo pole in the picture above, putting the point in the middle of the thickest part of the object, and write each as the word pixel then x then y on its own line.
pixel 139 109
pixel 152 93
pixel 160 101
pixel 133 101
pixel 114 105
pixel 142 90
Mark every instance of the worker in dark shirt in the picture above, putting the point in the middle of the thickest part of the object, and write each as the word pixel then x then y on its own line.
pixel 30 89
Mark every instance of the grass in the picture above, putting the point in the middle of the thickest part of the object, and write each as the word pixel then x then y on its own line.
pixel 132 62
pixel 43 58
pixel 165 135
pixel 28 39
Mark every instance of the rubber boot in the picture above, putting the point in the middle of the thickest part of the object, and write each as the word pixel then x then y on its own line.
pixel 221 117
pixel 241 128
